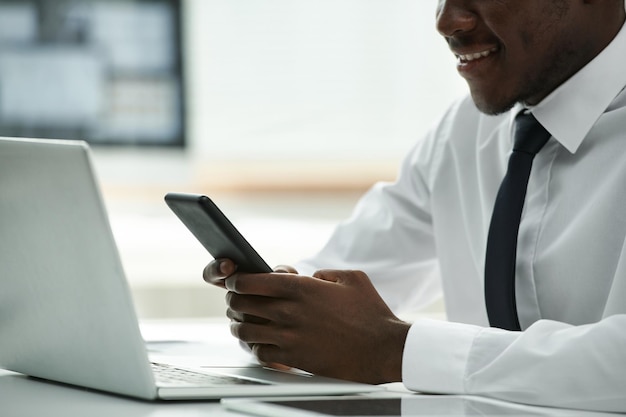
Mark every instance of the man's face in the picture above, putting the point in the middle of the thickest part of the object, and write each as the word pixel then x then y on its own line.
pixel 513 51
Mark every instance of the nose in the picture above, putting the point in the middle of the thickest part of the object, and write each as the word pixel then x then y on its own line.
pixel 454 17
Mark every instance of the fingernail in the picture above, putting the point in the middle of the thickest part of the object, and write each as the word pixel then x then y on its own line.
pixel 225 268
pixel 220 267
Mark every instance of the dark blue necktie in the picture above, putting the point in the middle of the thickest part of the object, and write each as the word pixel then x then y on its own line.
pixel 500 258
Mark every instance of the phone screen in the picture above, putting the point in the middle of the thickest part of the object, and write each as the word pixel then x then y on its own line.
pixel 353 407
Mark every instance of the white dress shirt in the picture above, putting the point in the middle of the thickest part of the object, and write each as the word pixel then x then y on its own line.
pixel 426 234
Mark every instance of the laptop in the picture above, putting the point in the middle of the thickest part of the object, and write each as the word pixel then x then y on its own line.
pixel 66 312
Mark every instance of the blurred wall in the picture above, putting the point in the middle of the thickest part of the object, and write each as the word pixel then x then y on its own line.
pixel 351 82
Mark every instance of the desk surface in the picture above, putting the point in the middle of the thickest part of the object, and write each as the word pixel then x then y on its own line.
pixel 24 396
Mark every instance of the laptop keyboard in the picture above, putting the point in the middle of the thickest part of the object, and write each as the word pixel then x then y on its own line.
pixel 172 376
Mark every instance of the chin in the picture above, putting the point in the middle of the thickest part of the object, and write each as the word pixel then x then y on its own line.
pixel 492 106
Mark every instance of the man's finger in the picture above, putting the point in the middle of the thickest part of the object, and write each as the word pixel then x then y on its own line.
pixel 217 270
pixel 244 318
pixel 252 333
pixel 275 285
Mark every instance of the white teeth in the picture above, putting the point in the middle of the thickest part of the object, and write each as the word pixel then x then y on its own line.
pixel 476 55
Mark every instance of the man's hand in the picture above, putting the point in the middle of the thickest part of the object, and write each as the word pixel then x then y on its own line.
pixel 332 324
pixel 218 270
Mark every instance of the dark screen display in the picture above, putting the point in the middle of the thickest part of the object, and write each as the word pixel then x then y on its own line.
pixel 353 407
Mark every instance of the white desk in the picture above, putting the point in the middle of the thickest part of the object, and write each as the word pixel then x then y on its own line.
pixel 23 396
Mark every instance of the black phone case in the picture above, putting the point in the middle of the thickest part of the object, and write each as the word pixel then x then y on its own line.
pixel 214 231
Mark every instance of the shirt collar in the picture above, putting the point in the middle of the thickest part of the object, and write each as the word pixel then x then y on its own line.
pixel 570 111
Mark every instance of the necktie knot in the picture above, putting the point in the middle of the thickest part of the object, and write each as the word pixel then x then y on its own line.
pixel 530 135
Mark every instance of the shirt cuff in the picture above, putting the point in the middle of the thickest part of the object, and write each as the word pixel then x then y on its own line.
pixel 435 356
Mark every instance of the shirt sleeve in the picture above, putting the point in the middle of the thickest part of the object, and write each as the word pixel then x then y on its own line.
pixel 549 364
pixel 389 236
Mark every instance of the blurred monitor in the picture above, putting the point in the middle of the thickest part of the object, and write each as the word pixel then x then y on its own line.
pixel 106 71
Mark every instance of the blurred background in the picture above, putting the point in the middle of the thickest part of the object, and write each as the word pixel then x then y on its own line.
pixel 283 111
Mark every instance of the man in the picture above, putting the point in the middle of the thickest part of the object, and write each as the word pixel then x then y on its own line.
pixel 564 61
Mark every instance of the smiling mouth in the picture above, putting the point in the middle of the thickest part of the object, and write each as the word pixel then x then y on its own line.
pixel 465 58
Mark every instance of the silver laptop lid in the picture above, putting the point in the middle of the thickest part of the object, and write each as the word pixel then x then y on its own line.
pixel 66 312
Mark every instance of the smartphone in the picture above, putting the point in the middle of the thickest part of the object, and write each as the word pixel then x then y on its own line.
pixel 214 231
